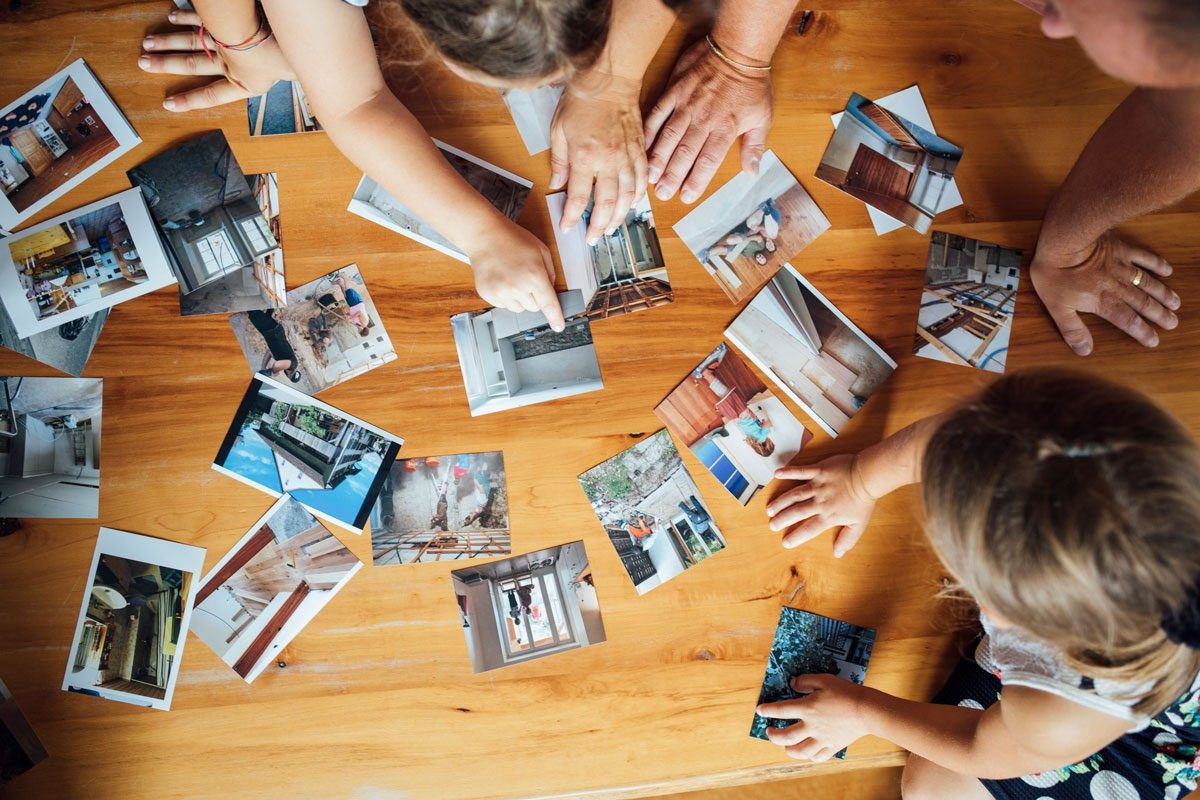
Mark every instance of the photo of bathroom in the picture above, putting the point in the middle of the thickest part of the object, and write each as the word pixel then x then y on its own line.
pixel 50 447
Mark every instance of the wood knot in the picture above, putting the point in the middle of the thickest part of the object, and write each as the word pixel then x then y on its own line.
pixel 953 59
pixel 704 654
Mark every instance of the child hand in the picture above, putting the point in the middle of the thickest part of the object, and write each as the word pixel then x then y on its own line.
pixel 830 495
pixel 244 74
pixel 513 270
pixel 828 718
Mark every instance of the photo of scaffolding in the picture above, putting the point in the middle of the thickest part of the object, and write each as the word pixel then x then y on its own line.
pixel 967 306
pixel 442 508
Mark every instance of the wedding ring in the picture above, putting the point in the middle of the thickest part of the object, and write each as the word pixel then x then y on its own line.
pixel 1138 274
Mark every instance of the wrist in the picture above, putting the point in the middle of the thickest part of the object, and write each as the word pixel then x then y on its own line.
pixel 596 83
pixel 483 236
pixel 230 23
pixel 741 48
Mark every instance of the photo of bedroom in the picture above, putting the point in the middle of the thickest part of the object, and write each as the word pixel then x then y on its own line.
pixel 50 447
pixel 269 586
pixel 727 417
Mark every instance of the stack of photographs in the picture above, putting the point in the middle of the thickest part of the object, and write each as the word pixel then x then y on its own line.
pixel 442 508
pixel 285 442
pixel 652 512
pixel 269 586
pixel 20 748
pixel 817 356
pixel 134 618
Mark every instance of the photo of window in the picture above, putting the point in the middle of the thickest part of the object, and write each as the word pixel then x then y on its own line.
pixel 528 606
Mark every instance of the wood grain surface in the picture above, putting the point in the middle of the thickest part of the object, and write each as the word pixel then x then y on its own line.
pixel 377 700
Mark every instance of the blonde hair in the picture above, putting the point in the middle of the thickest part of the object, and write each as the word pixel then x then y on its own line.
pixel 1070 506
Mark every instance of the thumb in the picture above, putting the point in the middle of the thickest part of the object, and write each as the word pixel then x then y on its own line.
pixel 846 538
pixel 1074 332
pixel 560 167
pixel 754 143
pixel 807 683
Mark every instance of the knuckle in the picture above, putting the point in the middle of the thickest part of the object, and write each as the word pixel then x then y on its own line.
pixel 189 63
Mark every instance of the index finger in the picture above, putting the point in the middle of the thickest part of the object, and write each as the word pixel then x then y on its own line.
pixel 547 303
pixel 579 192
pixel 781 709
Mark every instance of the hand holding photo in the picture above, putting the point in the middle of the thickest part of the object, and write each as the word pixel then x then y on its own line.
pixel 623 272
pixel 285 442
pixel 651 510
pixel 56 136
pixel 82 262
pixel 901 170
pixel 807 644
pixel 269 587
pixel 528 606
pixel 533 112
pixel 329 331
pixel 442 508
pixel 133 620
pixel 967 306
pixel 727 417
pixel 510 360
pixel 749 227
pixel 817 356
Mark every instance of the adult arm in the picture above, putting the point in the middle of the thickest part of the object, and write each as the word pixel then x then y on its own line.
pixel 596 135
pixel 1145 156
pixel 709 102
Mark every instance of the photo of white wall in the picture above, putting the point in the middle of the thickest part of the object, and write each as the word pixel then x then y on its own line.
pixel 265 590
pixel 532 111
pixel 817 356
pixel 82 262
pixel 133 620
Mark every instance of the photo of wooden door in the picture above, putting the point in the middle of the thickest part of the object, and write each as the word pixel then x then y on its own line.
pixel 37 158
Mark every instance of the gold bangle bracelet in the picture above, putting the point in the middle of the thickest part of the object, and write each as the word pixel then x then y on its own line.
pixel 757 70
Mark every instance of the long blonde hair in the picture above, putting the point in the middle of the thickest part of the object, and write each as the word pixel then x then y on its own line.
pixel 1070 506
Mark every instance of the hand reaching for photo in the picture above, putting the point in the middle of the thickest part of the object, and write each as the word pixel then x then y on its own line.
pixel 242 74
pixel 1113 280
pixel 513 271
pixel 831 495
pixel 828 718
pixel 706 106
pixel 596 142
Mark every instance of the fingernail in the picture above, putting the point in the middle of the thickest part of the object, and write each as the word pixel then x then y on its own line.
pixel 144 62
pixel 611 231
pixel 655 174
pixel 556 180
pixel 1174 301
pixel 147 43
pixel 662 193
pixel 592 240
pixel 754 165
pixel 171 16
pixel 169 104
pixel 688 195
pixel 1153 342
pixel 838 552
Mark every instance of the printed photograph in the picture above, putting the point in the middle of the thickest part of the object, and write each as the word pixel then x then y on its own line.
pixel 744 232
pixel 329 331
pixel 528 606
pixel 809 644
pixel 285 442
pixel 80 263
pixel 211 220
pixel 442 508
pixel 56 136
pixel 532 111
pixel 513 359
pixel 133 619
pixel 651 509
pixel 274 581
pixel 817 356
pixel 624 271
pixel 504 190
pixel 50 448
pixel 283 109
pixel 740 431
pixel 67 348
pixel 20 748
pixel 890 163
pixel 258 286
pixel 967 306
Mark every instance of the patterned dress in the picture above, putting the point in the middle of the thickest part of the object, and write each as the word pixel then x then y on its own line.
pixel 1157 759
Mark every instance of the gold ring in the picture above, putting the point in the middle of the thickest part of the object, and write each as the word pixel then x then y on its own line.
pixel 1138 274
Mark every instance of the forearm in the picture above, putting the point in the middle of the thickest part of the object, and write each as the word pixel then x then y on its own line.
pixel 896 461
pixel 637 31
pixel 946 735
pixel 750 30
pixel 1146 155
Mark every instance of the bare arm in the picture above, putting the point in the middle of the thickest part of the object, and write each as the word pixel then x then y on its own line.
pixel 1145 156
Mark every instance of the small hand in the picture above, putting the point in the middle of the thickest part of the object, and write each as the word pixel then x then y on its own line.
pixel 831 495
pixel 596 137
pixel 829 718
pixel 513 270
pixel 1100 281
pixel 244 74
pixel 707 105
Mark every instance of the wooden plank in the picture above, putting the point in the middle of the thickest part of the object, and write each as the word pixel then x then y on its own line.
pixel 942 348
pixel 264 638
pixel 245 554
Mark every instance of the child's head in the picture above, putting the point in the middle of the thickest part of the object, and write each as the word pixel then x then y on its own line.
pixel 1069 507
pixel 513 43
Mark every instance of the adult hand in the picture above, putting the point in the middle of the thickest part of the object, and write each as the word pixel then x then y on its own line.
pixel 1099 280
pixel 828 718
pixel 596 138
pixel 242 74
pixel 513 270
pixel 706 106
pixel 831 495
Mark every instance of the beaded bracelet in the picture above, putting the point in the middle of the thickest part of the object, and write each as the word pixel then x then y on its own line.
pixel 249 43
pixel 752 68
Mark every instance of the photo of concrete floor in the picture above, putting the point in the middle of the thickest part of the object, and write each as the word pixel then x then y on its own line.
pixel 66 348
pixel 50 447
pixel 283 109
pixel 442 508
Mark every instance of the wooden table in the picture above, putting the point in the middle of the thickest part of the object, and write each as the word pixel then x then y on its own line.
pixel 377 699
